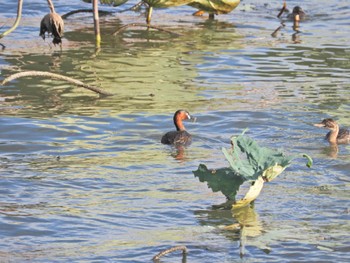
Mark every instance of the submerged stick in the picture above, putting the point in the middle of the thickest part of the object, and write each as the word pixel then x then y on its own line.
pixel 18 18
pixel 55 76
pixel 169 250
pixel 101 13
pixel 274 33
pixel 143 25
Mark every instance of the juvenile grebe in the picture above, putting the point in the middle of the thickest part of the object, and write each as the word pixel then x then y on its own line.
pixel 336 135
pixel 180 136
pixel 53 24
pixel 297 11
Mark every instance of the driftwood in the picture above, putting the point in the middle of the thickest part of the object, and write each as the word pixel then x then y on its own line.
pixel 55 76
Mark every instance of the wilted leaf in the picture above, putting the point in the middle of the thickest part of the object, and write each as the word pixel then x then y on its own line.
pixel 252 193
pixel 109 2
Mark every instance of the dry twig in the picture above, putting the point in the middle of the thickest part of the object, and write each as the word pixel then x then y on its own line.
pixel 169 250
pixel 283 9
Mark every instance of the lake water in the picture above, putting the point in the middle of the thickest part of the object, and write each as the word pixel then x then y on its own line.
pixel 85 179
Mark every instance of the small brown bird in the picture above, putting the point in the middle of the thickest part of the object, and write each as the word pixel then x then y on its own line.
pixel 52 23
pixel 336 135
pixel 180 137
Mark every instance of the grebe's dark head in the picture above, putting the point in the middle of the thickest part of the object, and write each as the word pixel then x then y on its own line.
pixel 297 10
pixel 327 123
pixel 179 116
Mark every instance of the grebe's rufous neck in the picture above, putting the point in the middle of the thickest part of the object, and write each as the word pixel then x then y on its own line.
pixel 336 135
pixel 180 136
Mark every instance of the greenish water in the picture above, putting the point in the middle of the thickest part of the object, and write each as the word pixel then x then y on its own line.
pixel 85 178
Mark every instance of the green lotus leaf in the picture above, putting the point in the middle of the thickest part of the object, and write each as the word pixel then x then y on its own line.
pixel 248 162
pixel 223 180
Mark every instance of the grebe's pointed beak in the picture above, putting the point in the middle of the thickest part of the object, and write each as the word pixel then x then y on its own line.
pixel 192 118
pixel 320 125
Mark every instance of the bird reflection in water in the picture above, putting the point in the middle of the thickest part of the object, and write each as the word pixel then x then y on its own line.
pixel 179 153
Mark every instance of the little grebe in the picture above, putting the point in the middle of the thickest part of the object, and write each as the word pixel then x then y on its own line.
pixel 297 14
pixel 180 136
pixel 336 135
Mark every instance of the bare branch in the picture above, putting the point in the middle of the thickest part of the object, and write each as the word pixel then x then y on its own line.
pixel 55 76
pixel 169 250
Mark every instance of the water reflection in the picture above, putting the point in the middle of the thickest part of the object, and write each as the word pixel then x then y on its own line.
pixel 179 153
pixel 332 150
pixel 238 225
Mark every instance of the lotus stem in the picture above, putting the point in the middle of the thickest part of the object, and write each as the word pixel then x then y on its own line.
pixel 54 76
pixel 96 24
pixel 169 250
pixel 18 18
pixel 149 15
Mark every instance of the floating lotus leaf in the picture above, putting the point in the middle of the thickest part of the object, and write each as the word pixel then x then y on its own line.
pixel 166 3
pixel 215 6
pixel 248 162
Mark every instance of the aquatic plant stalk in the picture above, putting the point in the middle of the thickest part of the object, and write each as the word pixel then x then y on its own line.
pixel 18 18
pixel 96 24
pixel 55 76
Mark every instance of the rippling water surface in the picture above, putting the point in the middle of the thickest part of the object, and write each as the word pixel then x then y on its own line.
pixel 85 179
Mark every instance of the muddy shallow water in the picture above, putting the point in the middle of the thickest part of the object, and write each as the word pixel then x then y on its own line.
pixel 85 179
